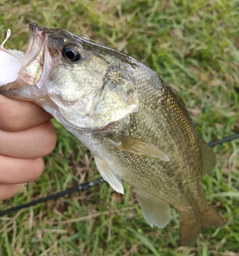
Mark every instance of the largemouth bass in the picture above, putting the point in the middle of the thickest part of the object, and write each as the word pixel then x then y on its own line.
pixel 134 124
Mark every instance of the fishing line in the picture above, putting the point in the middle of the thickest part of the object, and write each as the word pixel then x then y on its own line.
pixel 90 184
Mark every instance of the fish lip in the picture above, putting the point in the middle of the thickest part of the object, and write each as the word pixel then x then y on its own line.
pixel 45 55
pixel 34 28
pixel 40 56
pixel 34 55
pixel 32 67
pixel 37 31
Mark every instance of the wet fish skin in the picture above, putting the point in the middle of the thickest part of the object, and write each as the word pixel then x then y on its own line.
pixel 136 127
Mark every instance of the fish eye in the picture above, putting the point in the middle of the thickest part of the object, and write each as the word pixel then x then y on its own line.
pixel 71 53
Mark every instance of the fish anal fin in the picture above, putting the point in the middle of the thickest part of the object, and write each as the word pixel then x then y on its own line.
pixel 191 226
pixel 142 148
pixel 108 175
pixel 208 158
pixel 156 212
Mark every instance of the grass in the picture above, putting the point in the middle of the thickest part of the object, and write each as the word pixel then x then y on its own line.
pixel 193 45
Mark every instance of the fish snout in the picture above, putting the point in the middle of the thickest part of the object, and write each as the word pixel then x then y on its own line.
pixel 37 30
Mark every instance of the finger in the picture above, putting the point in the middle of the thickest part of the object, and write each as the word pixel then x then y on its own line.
pixel 35 142
pixel 18 115
pixel 17 170
pixel 8 190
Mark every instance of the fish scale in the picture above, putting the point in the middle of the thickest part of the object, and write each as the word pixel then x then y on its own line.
pixel 136 127
pixel 157 172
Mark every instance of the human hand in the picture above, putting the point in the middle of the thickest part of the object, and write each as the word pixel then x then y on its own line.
pixel 26 135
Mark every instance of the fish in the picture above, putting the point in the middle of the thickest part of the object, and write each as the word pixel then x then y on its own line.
pixel 135 125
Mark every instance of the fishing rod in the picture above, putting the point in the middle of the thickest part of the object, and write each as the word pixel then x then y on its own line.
pixel 90 184
pixel 227 139
pixel 68 191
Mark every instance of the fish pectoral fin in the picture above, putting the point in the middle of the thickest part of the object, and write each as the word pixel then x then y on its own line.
pixel 108 175
pixel 156 211
pixel 208 158
pixel 142 148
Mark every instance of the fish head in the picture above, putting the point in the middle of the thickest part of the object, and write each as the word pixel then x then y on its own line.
pixel 84 84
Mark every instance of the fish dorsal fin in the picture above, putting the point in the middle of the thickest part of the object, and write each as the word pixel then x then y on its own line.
pixel 108 175
pixel 156 212
pixel 208 158
pixel 142 148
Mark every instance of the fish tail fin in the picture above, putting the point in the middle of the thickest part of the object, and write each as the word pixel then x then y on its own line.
pixel 191 226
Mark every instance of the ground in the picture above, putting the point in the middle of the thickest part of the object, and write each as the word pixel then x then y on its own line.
pixel 193 46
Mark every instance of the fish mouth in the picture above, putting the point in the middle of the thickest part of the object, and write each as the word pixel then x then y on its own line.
pixel 37 62
pixel 32 68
